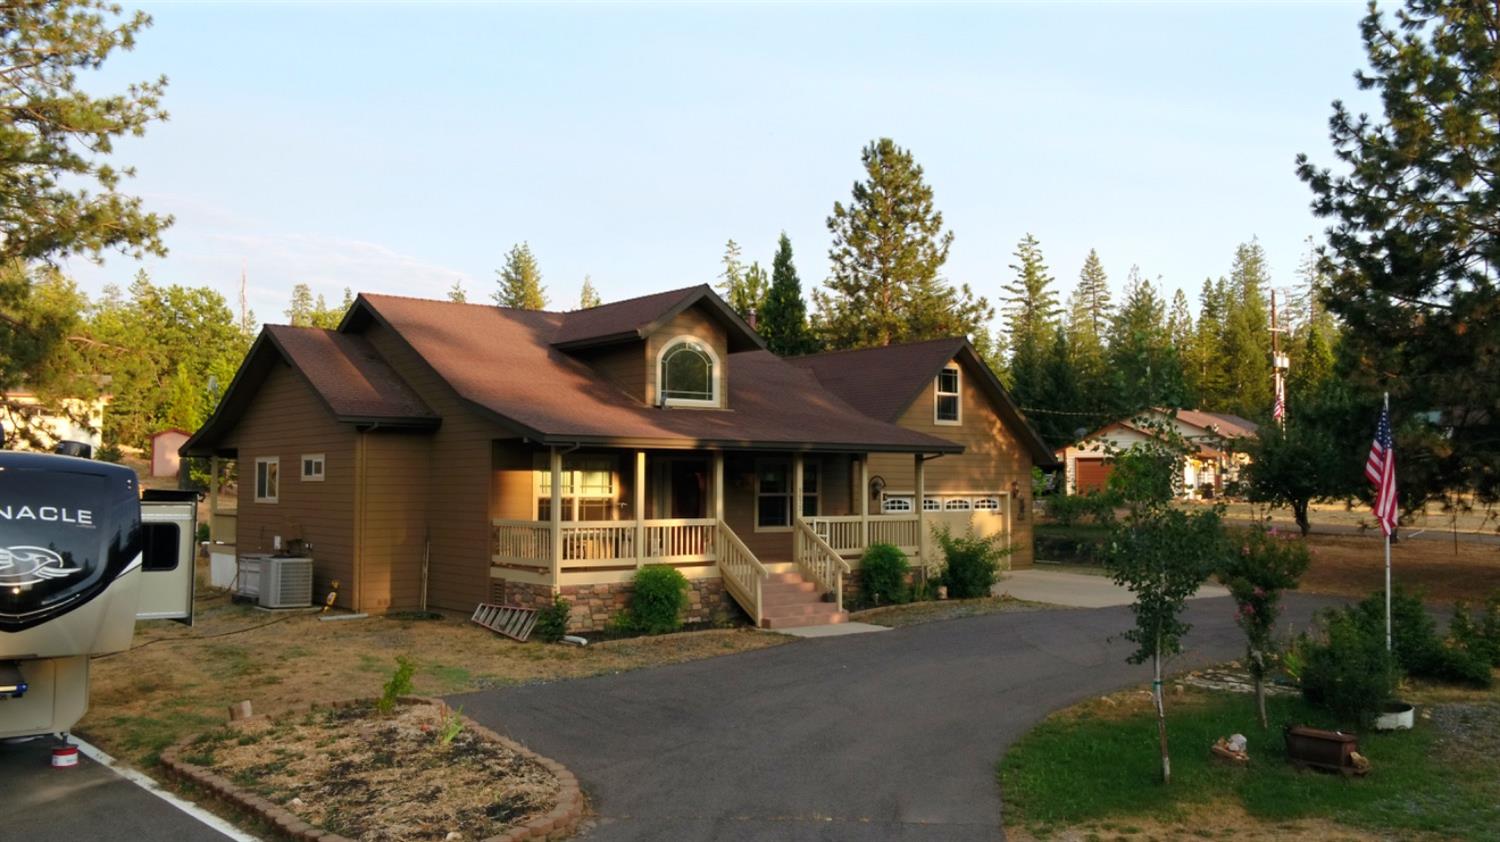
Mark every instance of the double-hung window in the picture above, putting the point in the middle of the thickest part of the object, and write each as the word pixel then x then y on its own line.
pixel 267 478
pixel 947 410
pixel 773 493
pixel 588 489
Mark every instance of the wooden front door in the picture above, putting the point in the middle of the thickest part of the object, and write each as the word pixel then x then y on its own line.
pixel 688 488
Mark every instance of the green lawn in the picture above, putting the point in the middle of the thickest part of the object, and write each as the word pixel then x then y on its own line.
pixel 1080 767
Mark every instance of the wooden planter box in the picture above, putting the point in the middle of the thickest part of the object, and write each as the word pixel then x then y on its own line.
pixel 1332 751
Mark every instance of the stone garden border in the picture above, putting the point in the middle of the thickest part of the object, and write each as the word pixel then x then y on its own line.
pixel 560 823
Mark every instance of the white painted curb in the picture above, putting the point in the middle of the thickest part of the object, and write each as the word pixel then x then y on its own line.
pixel 145 782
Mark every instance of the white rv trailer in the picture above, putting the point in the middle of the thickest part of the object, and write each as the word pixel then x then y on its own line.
pixel 82 556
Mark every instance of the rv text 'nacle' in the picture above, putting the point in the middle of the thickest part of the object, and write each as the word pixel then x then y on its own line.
pixel 51 514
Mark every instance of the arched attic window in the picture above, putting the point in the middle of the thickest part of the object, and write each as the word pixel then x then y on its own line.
pixel 688 373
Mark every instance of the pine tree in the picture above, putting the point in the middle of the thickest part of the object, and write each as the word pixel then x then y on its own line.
pixel 743 287
pixel 1062 392
pixel 457 294
pixel 300 312
pixel 1246 346
pixel 520 281
pixel 588 296
pixel 888 248
pixel 1146 368
pixel 1030 309
pixel 784 323
pixel 1091 300
pixel 1089 315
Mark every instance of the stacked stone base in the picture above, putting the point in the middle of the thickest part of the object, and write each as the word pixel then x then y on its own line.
pixel 595 606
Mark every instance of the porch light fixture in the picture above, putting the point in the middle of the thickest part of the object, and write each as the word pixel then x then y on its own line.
pixel 1015 494
pixel 877 487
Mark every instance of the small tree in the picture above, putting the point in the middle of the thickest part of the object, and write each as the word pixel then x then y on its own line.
pixel 1265 566
pixel 519 282
pixel 1162 555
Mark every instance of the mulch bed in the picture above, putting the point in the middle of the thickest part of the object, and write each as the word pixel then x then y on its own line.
pixel 418 773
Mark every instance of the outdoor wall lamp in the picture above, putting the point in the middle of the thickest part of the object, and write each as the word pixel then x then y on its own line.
pixel 877 486
pixel 1015 494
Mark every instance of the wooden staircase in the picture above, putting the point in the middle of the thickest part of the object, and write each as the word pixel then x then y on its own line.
pixel 790 600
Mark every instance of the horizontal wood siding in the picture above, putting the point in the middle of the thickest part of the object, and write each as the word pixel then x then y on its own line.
pixel 393 519
pixel 458 488
pixel 993 456
pixel 623 365
pixel 287 419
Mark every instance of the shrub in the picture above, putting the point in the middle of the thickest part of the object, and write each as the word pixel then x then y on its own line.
pixel 1419 651
pixel 1070 509
pixel 658 600
pixel 882 575
pixel 970 563
pixel 552 620
pixel 399 684
pixel 1348 671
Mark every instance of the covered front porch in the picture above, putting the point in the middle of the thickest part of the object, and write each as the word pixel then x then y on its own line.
pixel 563 518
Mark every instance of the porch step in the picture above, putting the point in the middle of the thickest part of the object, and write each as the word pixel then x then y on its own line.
pixel 791 601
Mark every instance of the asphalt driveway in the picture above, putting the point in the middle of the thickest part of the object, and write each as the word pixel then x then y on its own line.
pixel 867 737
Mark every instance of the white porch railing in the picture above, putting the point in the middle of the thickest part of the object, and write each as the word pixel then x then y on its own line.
pixel 529 542
pixel 524 542
pixel 742 572
pixel 844 533
pixel 818 560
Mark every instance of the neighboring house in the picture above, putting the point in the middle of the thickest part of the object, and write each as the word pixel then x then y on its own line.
pixel 27 423
pixel 1212 461
pixel 444 454
pixel 164 446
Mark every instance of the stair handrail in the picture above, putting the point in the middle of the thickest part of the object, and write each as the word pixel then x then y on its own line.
pixel 818 559
pixel 743 573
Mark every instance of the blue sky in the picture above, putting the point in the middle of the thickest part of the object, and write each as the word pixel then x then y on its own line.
pixel 397 148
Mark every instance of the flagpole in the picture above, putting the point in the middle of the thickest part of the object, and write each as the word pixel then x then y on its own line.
pixel 1387 557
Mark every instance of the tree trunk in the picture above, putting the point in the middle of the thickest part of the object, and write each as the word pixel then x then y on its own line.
pixel 1258 672
pixel 1299 511
pixel 1161 716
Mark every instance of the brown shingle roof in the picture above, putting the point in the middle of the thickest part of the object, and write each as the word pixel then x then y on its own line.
pixel 634 318
pixel 1221 423
pixel 882 382
pixel 506 363
pixel 348 374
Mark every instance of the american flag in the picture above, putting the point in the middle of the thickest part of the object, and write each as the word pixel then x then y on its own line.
pixel 1380 470
pixel 1278 412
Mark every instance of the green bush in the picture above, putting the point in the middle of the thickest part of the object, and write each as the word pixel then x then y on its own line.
pixel 552 620
pixel 970 563
pixel 1348 671
pixel 1419 650
pixel 1070 509
pixel 882 575
pixel 658 600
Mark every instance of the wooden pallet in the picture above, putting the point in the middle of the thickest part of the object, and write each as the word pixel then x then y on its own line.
pixel 513 621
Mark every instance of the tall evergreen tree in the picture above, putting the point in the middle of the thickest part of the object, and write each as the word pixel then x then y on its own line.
pixel 457 294
pixel 784 322
pixel 1246 347
pixel 1091 299
pixel 520 280
pixel 302 308
pixel 1146 367
pixel 744 287
pixel 1089 314
pixel 889 246
pixel 1062 392
pixel 588 296
pixel 1030 309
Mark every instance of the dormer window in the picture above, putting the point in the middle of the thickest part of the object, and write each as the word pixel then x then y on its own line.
pixel 688 374
pixel 947 409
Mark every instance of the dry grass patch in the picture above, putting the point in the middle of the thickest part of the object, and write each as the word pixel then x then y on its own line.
pixel 178 681
pixel 414 774
pixel 1354 566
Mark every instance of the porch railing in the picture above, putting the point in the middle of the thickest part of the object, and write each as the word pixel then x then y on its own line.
pixel 587 543
pixel 742 572
pixel 843 532
pixel 818 560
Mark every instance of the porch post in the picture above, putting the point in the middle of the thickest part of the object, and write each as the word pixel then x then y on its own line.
pixel 213 498
pixel 864 500
pixel 640 506
pixel 718 480
pixel 920 503
pixel 796 488
pixel 556 512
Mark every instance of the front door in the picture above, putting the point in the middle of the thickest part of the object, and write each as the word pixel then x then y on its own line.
pixel 687 488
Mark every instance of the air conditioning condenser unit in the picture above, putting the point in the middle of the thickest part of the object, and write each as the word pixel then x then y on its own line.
pixel 286 582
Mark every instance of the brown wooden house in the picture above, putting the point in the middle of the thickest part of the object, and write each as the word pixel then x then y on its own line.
pixel 442 454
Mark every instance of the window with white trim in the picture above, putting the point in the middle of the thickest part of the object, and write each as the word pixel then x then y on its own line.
pixel 956 504
pixel 312 467
pixel 896 505
pixel 688 374
pixel 987 504
pixel 588 488
pixel 267 478
pixel 947 409
pixel 932 504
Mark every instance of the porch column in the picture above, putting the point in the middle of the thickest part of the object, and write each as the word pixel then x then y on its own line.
pixel 718 481
pixel 640 507
pixel 864 500
pixel 920 503
pixel 556 511
pixel 796 488
pixel 213 498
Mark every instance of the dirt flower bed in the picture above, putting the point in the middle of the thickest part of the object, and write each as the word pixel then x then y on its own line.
pixel 417 773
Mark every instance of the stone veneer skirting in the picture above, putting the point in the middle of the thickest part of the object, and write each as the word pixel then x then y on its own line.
pixel 594 606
